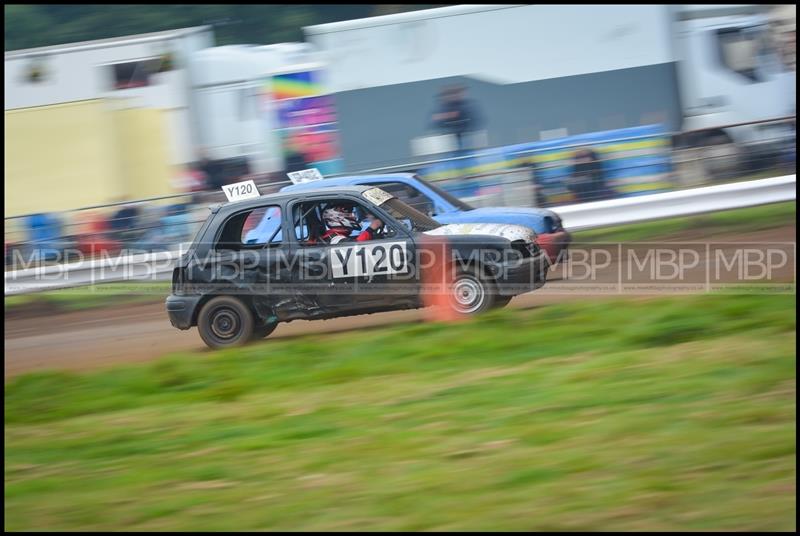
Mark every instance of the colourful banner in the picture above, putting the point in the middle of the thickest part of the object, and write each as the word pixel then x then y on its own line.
pixel 296 85
pixel 635 161
pixel 306 122
pixel 306 112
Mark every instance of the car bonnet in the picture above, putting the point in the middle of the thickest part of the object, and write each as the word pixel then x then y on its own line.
pixel 507 231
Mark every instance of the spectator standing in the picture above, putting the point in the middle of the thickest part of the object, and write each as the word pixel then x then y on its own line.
pixel 212 171
pixel 588 181
pixel 294 159
pixel 456 115
pixel 123 223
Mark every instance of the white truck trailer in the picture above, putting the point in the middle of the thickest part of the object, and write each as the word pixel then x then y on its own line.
pixel 539 71
pixel 257 102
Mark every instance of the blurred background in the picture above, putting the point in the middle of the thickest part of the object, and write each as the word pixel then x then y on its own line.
pixel 595 403
pixel 120 121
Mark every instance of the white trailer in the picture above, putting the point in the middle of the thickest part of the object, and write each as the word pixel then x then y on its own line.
pixel 232 90
pixel 535 70
pixel 128 70
pixel 226 89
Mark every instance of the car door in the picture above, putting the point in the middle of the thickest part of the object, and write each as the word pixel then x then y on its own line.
pixel 249 256
pixel 316 288
pixel 263 234
pixel 351 275
pixel 382 269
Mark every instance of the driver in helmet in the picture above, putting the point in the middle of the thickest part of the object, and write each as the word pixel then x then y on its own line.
pixel 342 221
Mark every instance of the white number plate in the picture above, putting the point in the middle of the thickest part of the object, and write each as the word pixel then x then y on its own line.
pixel 305 175
pixel 241 190
pixel 377 196
pixel 369 260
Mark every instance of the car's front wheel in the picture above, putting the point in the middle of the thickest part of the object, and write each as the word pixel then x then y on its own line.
pixel 472 293
pixel 502 301
pixel 264 330
pixel 225 322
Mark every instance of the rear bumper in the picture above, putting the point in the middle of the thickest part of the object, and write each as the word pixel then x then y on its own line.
pixel 180 310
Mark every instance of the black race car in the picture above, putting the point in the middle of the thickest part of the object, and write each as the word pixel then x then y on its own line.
pixel 261 261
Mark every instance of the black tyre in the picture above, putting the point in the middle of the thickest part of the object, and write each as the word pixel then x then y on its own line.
pixel 225 322
pixel 472 293
pixel 262 331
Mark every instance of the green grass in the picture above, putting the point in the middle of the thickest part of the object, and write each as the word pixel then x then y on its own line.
pixel 651 414
pixel 743 220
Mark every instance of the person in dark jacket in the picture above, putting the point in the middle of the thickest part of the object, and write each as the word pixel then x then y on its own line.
pixel 588 181
pixel 295 161
pixel 455 115
pixel 124 224
pixel 212 171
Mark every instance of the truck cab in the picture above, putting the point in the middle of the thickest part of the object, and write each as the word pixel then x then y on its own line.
pixel 730 72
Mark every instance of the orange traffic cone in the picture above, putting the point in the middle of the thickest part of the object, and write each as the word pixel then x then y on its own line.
pixel 436 281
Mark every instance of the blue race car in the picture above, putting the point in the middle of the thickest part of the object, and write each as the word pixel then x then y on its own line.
pixel 445 208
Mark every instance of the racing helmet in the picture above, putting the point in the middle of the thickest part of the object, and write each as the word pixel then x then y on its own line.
pixel 340 217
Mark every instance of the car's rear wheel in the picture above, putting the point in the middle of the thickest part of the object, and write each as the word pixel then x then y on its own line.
pixel 472 293
pixel 225 322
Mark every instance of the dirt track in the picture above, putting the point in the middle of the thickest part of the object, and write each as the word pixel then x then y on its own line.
pixel 104 337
